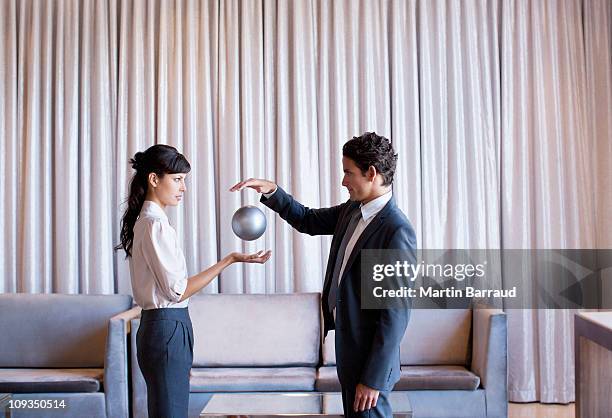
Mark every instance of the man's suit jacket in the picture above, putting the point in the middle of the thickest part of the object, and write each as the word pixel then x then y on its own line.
pixel 367 341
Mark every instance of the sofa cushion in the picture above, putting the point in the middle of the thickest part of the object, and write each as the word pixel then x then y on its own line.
pixel 412 378
pixel 327 379
pixel 50 380
pixel 437 378
pixel 259 379
pixel 433 337
pixel 436 337
pixel 256 330
pixel 63 331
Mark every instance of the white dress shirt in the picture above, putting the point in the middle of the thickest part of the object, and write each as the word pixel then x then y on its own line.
pixel 157 265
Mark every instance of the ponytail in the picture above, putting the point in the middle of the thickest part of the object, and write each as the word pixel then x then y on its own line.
pixel 136 198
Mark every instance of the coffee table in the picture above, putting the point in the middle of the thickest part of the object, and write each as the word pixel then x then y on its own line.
pixel 5 412
pixel 299 404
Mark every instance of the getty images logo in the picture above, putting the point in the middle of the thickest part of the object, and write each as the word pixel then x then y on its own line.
pixel 411 271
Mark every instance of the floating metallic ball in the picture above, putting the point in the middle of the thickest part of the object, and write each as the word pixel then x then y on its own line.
pixel 249 223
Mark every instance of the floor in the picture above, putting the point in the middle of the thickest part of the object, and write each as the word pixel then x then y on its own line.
pixel 537 410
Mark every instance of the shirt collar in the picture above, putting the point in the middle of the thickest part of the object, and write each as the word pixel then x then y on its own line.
pixel 372 208
pixel 152 209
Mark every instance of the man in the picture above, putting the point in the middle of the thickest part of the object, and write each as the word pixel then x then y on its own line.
pixel 367 341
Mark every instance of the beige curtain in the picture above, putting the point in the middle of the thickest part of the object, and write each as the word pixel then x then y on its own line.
pixel 556 102
pixel 501 112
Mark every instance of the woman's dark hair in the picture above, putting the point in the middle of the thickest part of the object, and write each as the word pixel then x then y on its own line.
pixel 159 159
pixel 374 150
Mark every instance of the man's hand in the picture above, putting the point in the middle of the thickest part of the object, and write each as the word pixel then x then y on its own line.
pixel 365 398
pixel 260 185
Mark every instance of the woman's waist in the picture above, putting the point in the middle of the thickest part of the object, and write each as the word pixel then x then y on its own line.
pixel 174 314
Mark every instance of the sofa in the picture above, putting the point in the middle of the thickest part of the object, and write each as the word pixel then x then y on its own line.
pixel 453 361
pixel 70 348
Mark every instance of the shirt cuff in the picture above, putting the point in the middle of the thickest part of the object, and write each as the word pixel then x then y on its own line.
pixel 269 195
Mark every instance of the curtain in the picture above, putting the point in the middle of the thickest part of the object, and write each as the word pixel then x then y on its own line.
pixel 555 187
pixel 501 112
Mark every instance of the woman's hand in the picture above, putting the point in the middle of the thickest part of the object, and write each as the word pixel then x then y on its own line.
pixel 259 257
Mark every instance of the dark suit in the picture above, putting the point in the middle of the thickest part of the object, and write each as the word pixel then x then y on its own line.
pixel 367 341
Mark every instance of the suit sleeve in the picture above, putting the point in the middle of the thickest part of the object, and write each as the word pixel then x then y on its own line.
pixel 391 326
pixel 306 220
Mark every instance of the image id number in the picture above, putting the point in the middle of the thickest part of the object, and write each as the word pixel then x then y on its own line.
pixel 37 404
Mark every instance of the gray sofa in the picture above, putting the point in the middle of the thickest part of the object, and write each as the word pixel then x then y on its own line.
pixel 453 361
pixel 70 348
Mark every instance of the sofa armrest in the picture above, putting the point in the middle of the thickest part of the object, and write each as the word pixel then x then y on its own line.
pixel 490 357
pixel 116 392
pixel 139 387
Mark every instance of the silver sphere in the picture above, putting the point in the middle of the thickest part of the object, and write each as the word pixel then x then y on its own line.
pixel 249 223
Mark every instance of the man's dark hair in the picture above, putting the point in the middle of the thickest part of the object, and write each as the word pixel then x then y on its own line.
pixel 374 150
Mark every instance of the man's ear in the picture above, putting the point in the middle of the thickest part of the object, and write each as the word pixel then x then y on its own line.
pixel 371 173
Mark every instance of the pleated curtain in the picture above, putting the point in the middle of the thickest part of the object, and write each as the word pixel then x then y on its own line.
pixel 501 112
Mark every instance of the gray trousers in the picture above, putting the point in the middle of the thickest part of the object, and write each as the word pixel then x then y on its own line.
pixel 165 355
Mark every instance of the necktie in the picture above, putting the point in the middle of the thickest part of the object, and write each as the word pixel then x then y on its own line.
pixel 333 290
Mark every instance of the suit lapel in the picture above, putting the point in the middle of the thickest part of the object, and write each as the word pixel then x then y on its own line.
pixel 345 221
pixel 336 241
pixel 370 229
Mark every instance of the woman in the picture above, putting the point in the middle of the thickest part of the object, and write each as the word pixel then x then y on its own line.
pixel 159 278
